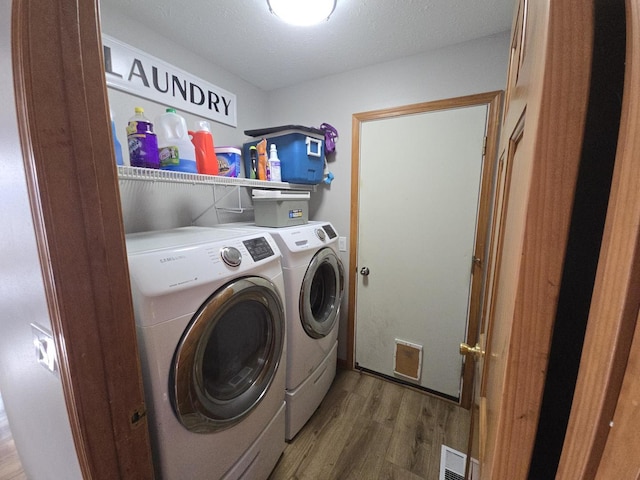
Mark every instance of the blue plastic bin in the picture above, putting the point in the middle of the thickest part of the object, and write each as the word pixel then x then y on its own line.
pixel 300 150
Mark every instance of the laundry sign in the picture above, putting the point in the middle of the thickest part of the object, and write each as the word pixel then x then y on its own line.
pixel 135 72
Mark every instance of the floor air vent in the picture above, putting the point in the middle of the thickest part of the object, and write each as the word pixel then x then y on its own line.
pixel 452 464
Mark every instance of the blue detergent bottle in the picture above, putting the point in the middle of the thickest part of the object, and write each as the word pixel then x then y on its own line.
pixel 116 143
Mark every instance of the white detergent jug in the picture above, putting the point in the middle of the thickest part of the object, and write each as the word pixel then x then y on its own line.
pixel 174 145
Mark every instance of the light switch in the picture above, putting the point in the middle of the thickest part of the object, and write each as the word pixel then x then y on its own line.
pixel 342 244
pixel 45 348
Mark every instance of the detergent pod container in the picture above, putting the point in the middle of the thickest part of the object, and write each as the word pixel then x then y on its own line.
pixel 228 161
pixel 174 145
pixel 206 160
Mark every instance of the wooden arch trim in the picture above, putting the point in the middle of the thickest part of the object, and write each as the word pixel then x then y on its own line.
pixel 69 159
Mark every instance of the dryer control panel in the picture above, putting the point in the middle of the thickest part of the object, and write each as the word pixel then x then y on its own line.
pixel 330 231
pixel 305 237
pixel 258 248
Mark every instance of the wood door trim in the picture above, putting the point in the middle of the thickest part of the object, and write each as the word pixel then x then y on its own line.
pixel 445 104
pixel 493 100
pixel 353 241
pixel 621 455
pixel 68 153
pixel 556 115
pixel 480 271
pixel 615 302
pixel 21 76
pixel 501 205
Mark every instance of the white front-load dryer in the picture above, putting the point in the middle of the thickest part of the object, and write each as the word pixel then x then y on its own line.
pixel 211 330
pixel 314 285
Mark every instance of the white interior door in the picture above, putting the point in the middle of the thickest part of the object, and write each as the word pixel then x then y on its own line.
pixel 418 200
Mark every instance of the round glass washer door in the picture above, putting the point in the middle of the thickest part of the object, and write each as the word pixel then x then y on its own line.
pixel 321 293
pixel 228 355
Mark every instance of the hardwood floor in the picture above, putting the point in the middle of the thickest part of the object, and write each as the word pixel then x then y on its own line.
pixel 370 428
pixel 10 466
pixel 366 428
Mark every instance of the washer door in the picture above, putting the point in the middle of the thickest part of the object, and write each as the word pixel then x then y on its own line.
pixel 228 355
pixel 321 293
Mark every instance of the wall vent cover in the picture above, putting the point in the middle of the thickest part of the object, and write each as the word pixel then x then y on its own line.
pixel 452 464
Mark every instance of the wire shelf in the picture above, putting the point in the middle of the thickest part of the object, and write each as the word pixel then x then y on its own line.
pixel 152 175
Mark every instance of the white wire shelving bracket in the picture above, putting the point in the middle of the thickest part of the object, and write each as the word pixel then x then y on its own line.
pixel 168 176
pixel 152 175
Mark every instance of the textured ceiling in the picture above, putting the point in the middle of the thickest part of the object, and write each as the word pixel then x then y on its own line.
pixel 243 37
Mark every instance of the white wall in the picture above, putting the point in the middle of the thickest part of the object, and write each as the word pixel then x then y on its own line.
pixel 465 69
pixel 33 397
pixel 159 205
pixel 251 101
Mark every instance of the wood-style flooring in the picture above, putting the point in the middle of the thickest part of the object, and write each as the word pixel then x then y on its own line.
pixel 10 466
pixel 369 428
pixel 366 428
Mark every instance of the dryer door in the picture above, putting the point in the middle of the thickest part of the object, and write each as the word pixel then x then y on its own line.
pixel 321 293
pixel 228 355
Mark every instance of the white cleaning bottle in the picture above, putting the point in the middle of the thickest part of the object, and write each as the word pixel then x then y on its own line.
pixel 274 164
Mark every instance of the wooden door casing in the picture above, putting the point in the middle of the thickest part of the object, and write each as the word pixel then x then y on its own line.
pixel 542 138
pixel 68 154
pixel 608 382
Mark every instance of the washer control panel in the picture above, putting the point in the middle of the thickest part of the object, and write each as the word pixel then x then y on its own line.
pixel 178 259
pixel 231 256
pixel 258 248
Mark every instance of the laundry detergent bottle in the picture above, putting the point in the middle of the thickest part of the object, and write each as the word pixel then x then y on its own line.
pixel 175 147
pixel 116 143
pixel 143 143
pixel 206 160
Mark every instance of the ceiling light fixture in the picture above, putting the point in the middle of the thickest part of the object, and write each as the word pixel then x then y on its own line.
pixel 302 12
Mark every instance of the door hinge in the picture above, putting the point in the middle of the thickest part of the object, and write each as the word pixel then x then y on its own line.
pixel 484 146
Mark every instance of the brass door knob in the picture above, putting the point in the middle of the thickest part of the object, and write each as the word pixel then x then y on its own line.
pixel 475 352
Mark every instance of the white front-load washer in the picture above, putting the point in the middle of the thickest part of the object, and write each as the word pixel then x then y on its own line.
pixel 211 330
pixel 314 285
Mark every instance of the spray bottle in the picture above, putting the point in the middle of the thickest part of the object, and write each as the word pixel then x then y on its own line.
pixel 274 164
